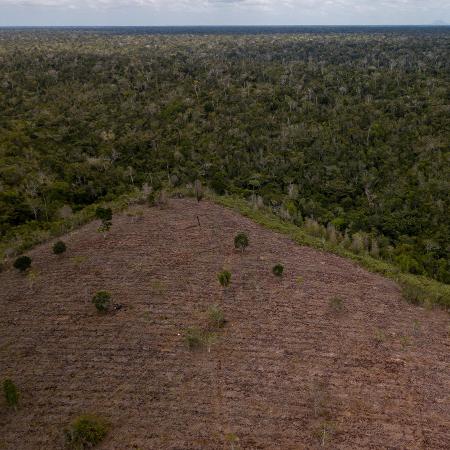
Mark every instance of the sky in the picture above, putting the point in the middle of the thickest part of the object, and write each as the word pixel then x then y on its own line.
pixel 223 12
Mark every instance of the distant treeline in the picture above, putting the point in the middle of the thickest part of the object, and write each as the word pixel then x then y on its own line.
pixel 344 128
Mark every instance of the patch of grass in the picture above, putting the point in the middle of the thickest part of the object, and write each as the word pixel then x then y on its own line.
pixel 337 304
pixel 85 432
pixel 416 327
pixel 324 432
pixel 404 341
pixel 136 215
pixel 432 292
pixel 380 336
pixel 216 317
pixel 232 439
pixel 79 260
pixel 32 276
pixel 196 338
pixel 157 287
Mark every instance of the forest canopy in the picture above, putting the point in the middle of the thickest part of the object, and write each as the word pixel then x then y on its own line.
pixel 349 130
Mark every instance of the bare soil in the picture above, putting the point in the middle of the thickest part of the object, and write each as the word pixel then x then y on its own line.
pixel 289 370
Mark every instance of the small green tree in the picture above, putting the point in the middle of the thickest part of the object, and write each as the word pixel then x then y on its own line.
pixel 85 432
pixel 241 241
pixel 278 270
pixel 22 263
pixel 102 301
pixel 224 278
pixel 59 248
pixel 11 393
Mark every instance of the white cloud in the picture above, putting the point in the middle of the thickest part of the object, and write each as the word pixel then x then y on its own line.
pixel 225 12
pixel 256 4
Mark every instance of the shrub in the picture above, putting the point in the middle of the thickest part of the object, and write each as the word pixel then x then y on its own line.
pixel 22 263
pixel 414 294
pixel 102 301
pixel 105 215
pixel 194 338
pixel 11 393
pixel 408 263
pixel 241 241
pixel 216 317
pixel 59 248
pixel 224 278
pixel 86 431
pixel 278 270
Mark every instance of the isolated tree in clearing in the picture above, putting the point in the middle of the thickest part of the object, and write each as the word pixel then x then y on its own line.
pixel 224 278
pixel 59 248
pixel 22 263
pixel 241 242
pixel 278 270
pixel 102 301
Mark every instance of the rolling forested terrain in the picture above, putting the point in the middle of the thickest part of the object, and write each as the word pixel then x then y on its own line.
pixel 346 133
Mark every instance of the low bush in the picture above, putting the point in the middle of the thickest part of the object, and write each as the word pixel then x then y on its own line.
pixel 224 278
pixel 59 248
pixel 22 263
pixel 102 301
pixel 85 432
pixel 11 393
pixel 278 270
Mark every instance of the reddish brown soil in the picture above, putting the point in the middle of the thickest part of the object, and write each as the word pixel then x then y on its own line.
pixel 285 368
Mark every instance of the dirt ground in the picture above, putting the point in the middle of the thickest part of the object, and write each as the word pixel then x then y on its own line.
pixel 288 371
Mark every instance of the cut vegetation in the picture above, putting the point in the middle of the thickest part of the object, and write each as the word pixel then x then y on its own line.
pixel 328 355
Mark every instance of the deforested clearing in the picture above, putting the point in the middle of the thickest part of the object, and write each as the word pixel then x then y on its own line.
pixel 326 355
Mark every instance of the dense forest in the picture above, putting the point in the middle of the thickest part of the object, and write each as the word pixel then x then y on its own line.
pixel 346 133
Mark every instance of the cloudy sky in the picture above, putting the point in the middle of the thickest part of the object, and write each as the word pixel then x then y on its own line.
pixel 222 12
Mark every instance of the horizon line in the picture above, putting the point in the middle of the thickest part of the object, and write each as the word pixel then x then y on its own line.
pixel 231 25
